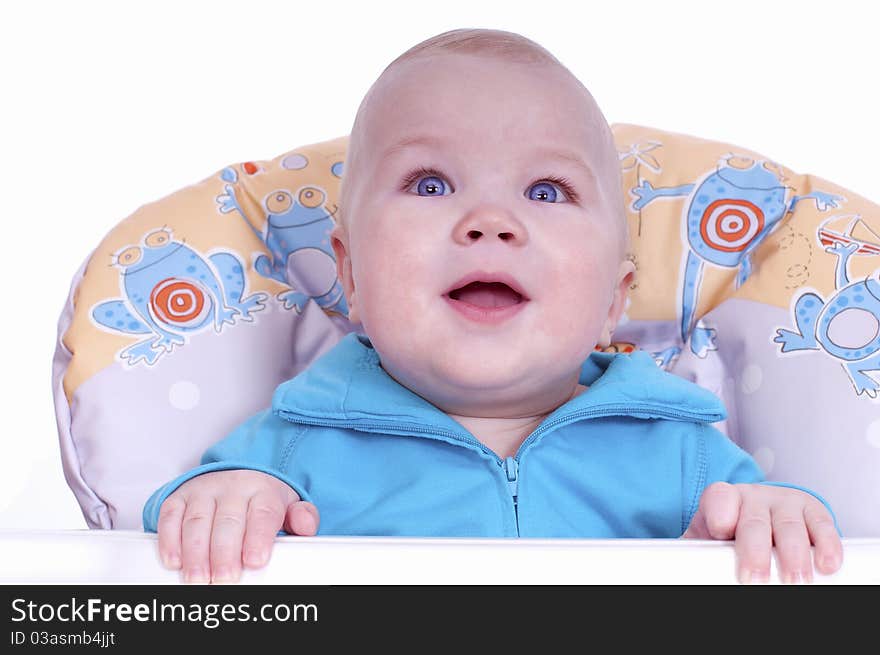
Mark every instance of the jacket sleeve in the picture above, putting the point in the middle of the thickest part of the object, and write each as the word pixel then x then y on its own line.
pixel 718 459
pixel 261 443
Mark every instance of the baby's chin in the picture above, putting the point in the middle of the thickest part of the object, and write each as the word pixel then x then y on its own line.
pixel 477 372
pixel 468 382
pixel 503 366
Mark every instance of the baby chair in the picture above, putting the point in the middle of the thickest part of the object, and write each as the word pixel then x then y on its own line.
pixel 760 284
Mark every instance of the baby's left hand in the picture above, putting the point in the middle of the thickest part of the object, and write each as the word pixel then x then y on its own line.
pixel 760 516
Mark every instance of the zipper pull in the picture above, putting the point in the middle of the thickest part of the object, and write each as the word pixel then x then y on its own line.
pixel 511 468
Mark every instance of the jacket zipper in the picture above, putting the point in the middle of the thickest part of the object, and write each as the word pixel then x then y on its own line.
pixel 510 465
pixel 511 469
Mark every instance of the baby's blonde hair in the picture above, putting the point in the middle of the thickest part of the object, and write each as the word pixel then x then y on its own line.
pixel 499 44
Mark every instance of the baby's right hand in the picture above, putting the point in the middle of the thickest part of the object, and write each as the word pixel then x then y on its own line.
pixel 215 522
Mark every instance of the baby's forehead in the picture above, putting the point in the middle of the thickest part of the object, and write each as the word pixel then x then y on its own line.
pixel 467 100
pixel 459 77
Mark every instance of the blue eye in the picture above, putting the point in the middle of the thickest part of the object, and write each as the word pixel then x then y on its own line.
pixel 430 182
pixel 544 192
pixel 431 186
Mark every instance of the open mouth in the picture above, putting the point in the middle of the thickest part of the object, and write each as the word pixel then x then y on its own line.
pixel 488 298
pixel 487 295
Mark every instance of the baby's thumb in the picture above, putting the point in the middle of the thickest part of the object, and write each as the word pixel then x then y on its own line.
pixel 301 519
pixel 717 514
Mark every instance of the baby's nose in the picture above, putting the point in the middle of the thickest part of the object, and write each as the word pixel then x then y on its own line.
pixel 489 223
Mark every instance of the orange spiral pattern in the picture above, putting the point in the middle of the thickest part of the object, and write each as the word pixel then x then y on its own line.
pixel 731 224
pixel 179 302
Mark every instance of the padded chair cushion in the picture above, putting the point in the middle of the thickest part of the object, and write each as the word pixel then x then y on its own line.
pixel 762 285
pixel 753 281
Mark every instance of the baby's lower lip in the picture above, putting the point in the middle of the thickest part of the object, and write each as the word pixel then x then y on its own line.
pixel 485 315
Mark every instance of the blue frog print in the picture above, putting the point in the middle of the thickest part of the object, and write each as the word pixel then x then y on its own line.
pixel 727 215
pixel 297 237
pixel 667 357
pixel 169 291
pixel 846 327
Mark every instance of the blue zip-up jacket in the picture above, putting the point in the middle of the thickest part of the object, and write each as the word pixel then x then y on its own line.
pixel 629 457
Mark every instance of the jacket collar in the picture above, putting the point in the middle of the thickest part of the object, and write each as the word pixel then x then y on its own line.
pixel 346 386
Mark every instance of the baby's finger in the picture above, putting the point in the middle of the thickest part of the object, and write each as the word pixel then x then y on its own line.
pixel 754 543
pixel 829 550
pixel 196 538
pixel 720 504
pixel 792 543
pixel 226 539
pixel 301 519
pixel 168 527
pixel 265 514
pixel 717 513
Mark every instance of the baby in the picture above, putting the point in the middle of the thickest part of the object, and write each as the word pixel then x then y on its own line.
pixel 482 246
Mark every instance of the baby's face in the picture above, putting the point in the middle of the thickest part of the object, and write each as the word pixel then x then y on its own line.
pixel 476 169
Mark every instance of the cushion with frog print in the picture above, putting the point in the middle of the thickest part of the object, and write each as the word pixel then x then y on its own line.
pixel 756 282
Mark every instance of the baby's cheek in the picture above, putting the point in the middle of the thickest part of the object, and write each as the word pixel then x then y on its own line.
pixel 574 324
pixel 585 274
pixel 581 301
pixel 387 291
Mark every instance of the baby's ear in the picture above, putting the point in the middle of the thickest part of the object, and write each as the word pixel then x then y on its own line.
pixel 625 275
pixel 340 242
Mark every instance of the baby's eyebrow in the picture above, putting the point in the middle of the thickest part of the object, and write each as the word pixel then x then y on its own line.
pixel 432 141
pixel 569 157
pixel 413 140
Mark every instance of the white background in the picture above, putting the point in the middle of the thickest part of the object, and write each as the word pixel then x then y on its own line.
pixel 107 106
